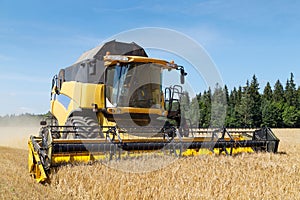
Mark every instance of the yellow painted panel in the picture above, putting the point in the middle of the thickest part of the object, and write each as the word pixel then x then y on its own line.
pixel 72 89
pixel 59 111
pixel 72 106
pixel 100 96
pixel 92 94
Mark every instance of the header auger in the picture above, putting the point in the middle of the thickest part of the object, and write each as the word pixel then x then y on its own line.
pixel 111 104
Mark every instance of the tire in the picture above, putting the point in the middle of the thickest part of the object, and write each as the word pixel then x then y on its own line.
pixel 54 128
pixel 83 127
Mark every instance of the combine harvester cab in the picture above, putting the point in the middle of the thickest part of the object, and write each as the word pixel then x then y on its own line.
pixel 111 104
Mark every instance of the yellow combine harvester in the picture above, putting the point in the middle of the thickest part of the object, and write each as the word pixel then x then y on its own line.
pixel 111 104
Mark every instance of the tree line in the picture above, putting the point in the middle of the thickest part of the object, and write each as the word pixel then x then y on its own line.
pixel 25 119
pixel 246 107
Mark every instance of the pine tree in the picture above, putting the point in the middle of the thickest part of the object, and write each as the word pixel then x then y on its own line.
pixel 278 92
pixel 205 109
pixel 272 114
pixel 232 97
pixel 298 98
pixel 218 107
pixel 290 92
pixel 230 108
pixel 194 112
pixel 226 94
pixel 255 106
pixel 239 95
pixel 291 116
pixel 278 99
pixel 186 107
pixel 244 114
pixel 298 106
pixel 237 113
pixel 268 93
pixel 269 117
pixel 231 116
pixel 249 110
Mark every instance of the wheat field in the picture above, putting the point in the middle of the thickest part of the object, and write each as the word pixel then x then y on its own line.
pixel 246 176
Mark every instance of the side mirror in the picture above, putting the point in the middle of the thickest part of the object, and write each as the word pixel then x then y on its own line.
pixel 182 79
pixel 43 123
pixel 182 75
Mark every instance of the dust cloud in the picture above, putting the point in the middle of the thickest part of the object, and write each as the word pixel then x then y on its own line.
pixel 17 136
pixel 15 130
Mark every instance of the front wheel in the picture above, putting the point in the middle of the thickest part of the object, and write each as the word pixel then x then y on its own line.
pixel 82 127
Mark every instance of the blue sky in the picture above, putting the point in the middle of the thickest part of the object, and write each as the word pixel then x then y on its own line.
pixel 242 37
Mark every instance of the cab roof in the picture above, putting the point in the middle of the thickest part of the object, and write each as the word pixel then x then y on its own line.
pixel 114 47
